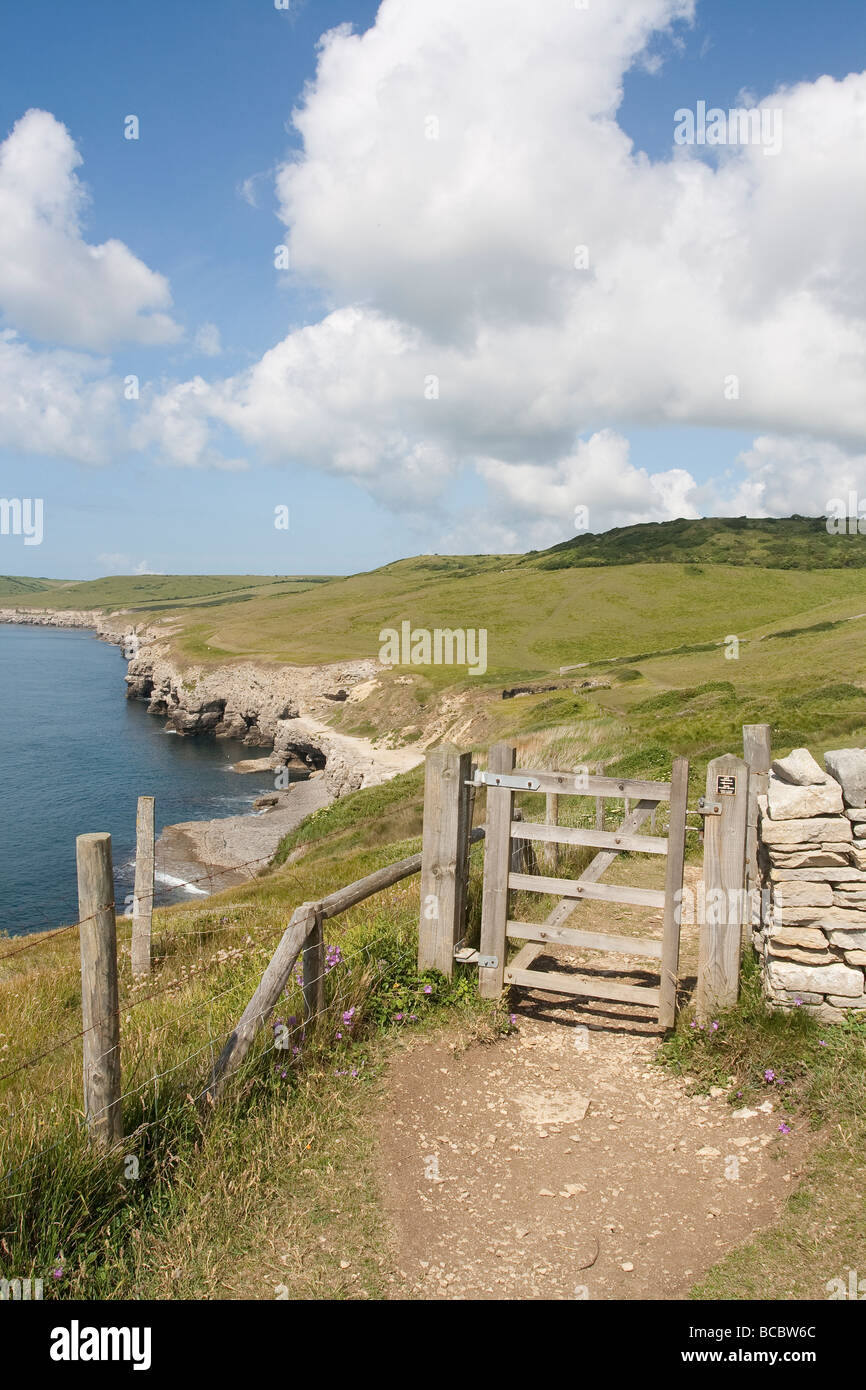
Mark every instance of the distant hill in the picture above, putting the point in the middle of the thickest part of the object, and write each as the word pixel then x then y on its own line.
pixel 11 586
pixel 791 542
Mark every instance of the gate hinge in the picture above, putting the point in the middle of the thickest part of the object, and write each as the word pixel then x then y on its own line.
pixel 505 779
pixel 708 808
pixel 465 955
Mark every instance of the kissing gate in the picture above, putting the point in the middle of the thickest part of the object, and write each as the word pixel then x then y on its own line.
pixel 449 796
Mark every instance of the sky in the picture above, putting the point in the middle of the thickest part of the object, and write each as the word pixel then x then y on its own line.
pixel 433 275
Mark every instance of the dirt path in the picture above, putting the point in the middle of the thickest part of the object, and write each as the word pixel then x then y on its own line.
pixel 561 1162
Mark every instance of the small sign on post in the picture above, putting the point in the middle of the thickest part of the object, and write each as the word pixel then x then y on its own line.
pixel 725 810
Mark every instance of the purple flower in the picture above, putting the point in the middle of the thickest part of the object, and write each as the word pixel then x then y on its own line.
pixel 428 989
pixel 57 1274
pixel 821 1042
pixel 714 1026
pixel 784 1129
pixel 398 1018
pixel 769 1074
pixel 339 1037
pixel 348 1016
pixel 797 1002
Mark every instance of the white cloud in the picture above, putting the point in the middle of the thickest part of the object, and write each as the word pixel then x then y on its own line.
pixel 54 286
pixel 116 562
pixel 58 403
pixel 454 258
pixel 208 340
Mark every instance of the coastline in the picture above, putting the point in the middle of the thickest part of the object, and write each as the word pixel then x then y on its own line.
pixel 275 709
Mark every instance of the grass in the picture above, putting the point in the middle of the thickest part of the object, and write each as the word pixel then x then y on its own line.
pixel 275 1185
pixel 814 1072
pixel 211 1210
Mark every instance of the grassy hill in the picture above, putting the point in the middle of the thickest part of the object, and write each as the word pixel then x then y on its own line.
pixel 143 593
pixel 791 542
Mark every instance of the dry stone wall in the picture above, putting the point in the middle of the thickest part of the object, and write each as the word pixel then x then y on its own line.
pixel 812 855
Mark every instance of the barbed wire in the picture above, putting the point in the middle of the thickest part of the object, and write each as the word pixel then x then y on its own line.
pixel 305 1023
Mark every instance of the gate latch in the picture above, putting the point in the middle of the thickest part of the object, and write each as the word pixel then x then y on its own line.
pixel 709 808
pixel 505 779
pixel 488 962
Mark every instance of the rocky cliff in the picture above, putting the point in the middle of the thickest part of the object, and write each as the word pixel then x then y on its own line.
pixel 276 707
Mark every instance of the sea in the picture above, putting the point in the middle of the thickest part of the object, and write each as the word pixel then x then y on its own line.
pixel 75 755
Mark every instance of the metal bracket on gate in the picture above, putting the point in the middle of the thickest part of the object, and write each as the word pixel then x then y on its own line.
pixel 505 779
pixel 465 955
pixel 708 808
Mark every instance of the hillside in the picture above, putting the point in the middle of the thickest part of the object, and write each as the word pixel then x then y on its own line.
pixel 791 542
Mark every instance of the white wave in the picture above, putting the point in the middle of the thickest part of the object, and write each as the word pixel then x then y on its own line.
pixel 172 882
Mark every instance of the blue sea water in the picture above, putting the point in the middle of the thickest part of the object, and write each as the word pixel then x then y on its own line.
pixel 75 755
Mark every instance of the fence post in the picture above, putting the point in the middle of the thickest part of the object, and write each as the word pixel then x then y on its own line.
pixel 313 971
pixel 142 903
pixel 494 901
pixel 100 1016
pixel 724 878
pixel 443 857
pixel 670 961
pixel 756 751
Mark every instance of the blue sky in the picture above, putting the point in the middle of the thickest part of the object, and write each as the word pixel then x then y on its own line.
pixel 213 83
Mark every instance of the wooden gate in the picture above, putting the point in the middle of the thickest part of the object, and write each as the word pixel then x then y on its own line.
pixel 502 780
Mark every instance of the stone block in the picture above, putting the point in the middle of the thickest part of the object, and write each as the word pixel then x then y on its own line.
pixel 848 766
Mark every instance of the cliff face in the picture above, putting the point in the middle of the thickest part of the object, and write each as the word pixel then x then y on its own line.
pixel 282 708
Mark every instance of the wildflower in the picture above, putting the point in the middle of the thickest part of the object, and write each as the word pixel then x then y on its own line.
pixel 348 1016
pixel 57 1273
pixel 693 1024
pixel 512 1018
pixel 428 989
pixel 714 1026
pixel 797 1002
pixel 821 1042
pixel 339 1037
pixel 296 1051
pixel 413 1018
pixel 398 1018
pixel 769 1074
pixel 784 1129
pixel 355 1071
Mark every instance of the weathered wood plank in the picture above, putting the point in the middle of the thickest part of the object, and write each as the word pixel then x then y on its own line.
pixel 593 941
pixel 581 784
pixel 757 753
pixel 442 856
pixel 494 901
pixel 142 900
pixel 599 839
pixel 585 988
pixel 725 869
pixel 579 888
pixel 524 958
pixel 100 1015
pixel 670 953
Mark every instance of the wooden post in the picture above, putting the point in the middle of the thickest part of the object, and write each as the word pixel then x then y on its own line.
pixel 550 853
pixel 494 902
pixel 443 857
pixel 100 1015
pixel 313 966
pixel 268 991
pixel 756 752
pixel 724 880
pixel 466 818
pixel 670 960
pixel 142 902
pixel 599 800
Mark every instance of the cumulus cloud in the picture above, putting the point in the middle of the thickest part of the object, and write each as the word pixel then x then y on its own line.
pixel 451 165
pixel 54 286
pixel 512 286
